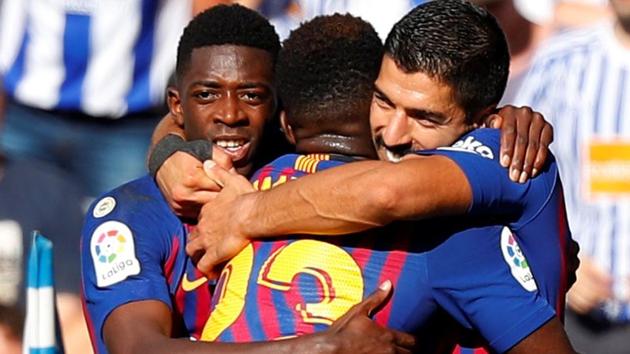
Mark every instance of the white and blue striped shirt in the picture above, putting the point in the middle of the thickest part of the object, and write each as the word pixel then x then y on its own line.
pixel 381 14
pixel 100 57
pixel 580 81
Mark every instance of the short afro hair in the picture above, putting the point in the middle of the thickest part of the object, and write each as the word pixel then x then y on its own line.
pixel 226 24
pixel 326 71
pixel 457 43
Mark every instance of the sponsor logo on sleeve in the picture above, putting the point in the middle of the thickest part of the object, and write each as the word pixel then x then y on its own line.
pixel 472 145
pixel 104 207
pixel 515 259
pixel 113 253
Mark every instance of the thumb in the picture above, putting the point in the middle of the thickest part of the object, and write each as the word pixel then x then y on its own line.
pixel 376 300
pixel 221 158
pixel 494 121
pixel 216 173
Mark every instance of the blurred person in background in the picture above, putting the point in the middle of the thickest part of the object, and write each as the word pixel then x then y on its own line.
pixel 286 15
pixel 37 196
pixel 85 81
pixel 523 35
pixel 11 325
pixel 581 81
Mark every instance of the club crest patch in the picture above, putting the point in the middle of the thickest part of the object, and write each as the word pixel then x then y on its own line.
pixel 515 259
pixel 113 253
pixel 104 207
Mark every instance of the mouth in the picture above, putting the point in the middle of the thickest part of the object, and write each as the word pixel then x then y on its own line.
pixel 392 156
pixel 236 148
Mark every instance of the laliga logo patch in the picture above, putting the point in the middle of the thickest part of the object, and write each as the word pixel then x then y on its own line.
pixel 516 260
pixel 104 207
pixel 113 253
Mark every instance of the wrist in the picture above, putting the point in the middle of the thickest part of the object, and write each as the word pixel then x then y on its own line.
pixel 246 220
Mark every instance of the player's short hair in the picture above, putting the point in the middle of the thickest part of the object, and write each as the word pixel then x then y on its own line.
pixel 326 70
pixel 459 44
pixel 226 24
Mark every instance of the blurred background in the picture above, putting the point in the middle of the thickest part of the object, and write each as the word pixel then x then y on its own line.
pixel 82 85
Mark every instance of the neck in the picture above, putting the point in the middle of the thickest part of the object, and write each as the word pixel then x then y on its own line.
pixel 336 144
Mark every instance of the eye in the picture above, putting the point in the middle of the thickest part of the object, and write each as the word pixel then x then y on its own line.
pixel 381 101
pixel 206 95
pixel 253 97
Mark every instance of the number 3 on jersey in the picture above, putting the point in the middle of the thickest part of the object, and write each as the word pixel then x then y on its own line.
pixel 337 274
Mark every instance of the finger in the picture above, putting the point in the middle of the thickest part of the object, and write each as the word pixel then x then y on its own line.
pixel 221 158
pixel 533 146
pixel 546 138
pixel 376 300
pixel 404 340
pixel 520 144
pixel 216 173
pixel 494 121
pixel 508 135
pixel 207 263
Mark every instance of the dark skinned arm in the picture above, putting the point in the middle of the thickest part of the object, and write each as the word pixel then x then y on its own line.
pixel 550 338
pixel 145 327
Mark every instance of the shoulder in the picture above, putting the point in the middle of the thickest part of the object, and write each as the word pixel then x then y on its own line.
pixel 483 142
pixel 570 43
pixel 138 205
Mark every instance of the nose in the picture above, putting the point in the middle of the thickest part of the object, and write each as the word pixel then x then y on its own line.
pixel 230 112
pixel 396 132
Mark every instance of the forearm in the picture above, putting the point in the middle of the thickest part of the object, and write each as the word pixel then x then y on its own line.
pixel 356 197
pixel 309 344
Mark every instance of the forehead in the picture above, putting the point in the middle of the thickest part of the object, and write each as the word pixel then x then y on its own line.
pixel 411 90
pixel 230 63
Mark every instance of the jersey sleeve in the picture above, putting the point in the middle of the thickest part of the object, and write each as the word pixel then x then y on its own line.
pixel 477 278
pixel 477 155
pixel 125 243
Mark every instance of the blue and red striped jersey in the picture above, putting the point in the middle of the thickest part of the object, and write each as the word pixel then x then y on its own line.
pixel 133 249
pixel 470 267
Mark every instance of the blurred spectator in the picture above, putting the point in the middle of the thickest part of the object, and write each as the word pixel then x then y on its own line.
pixel 523 36
pixel 576 13
pixel 581 81
pixel 85 81
pixel 288 14
pixel 11 324
pixel 34 195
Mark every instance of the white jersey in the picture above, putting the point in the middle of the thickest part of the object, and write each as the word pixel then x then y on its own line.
pixel 580 81
pixel 100 57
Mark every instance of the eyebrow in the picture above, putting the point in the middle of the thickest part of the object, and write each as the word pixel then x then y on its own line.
pixel 245 85
pixel 415 112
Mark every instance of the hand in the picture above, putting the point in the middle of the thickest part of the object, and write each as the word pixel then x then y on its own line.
pixel 184 183
pixel 216 238
pixel 525 140
pixel 356 333
pixel 593 286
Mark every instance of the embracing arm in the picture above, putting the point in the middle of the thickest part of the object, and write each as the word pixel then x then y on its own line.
pixel 146 327
pixel 356 197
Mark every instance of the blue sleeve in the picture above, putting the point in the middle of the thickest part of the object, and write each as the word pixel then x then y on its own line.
pixel 476 278
pixel 477 155
pixel 126 240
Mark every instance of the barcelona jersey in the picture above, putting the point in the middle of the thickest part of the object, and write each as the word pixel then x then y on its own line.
pixel 470 267
pixel 133 249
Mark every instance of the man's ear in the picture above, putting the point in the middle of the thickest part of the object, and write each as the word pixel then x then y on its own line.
pixel 286 128
pixel 175 105
pixel 481 117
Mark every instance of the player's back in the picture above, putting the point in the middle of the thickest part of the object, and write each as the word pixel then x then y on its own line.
pixel 292 286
